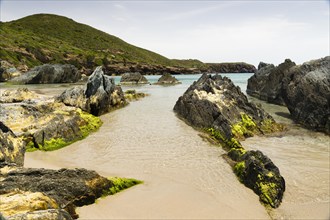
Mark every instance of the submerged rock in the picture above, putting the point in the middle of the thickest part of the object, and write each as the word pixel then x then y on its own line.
pixel 306 92
pixel 132 94
pixel 266 83
pixel 215 104
pixel 49 73
pixel 98 96
pixel 133 78
pixel 167 79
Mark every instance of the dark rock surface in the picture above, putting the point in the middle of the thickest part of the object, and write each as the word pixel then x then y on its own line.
pixel 215 104
pixel 12 149
pixel 49 73
pixel 231 68
pixel 214 101
pixel 167 79
pixel 266 83
pixel 98 96
pixel 306 92
pixel 49 214
pixel 133 78
pixel 67 187
pixel 304 89
pixel 260 174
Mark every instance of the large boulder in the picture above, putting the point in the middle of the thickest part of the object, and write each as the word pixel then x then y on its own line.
pixel 133 78
pixel 12 149
pixel 215 102
pixel 51 189
pixel 167 79
pixel 49 73
pixel 216 105
pixel 42 123
pixel 266 83
pixel 306 92
pixel 98 96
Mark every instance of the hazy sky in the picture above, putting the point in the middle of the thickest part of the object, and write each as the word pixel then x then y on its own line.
pixel 211 31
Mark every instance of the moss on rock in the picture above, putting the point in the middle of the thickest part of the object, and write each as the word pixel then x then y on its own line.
pixel 120 184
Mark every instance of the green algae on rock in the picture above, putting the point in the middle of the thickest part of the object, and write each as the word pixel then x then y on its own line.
pixel 119 184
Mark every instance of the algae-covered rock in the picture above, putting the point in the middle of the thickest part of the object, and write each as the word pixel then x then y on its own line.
pixel 260 174
pixel 49 189
pixel 100 94
pixel 12 149
pixel 215 102
pixel 47 125
pixel 49 73
pixel 133 78
pixel 216 105
pixel 167 79
pixel 132 94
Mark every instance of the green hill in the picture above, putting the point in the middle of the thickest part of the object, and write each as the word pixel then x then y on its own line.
pixel 46 38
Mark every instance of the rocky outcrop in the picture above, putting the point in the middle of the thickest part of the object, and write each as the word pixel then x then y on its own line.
pixel 231 68
pixel 19 95
pixel 216 105
pixel 44 124
pixel 49 73
pixel 304 89
pixel 133 78
pixel 100 94
pixel 266 83
pixel 306 93
pixel 12 149
pixel 260 174
pixel 148 69
pixel 167 79
pixel 68 188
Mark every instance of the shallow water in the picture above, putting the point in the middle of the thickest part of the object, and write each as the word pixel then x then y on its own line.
pixel 184 176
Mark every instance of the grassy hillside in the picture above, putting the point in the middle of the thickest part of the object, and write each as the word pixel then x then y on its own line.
pixel 45 38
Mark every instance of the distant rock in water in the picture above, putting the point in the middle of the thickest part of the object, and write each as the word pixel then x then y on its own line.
pixel 238 67
pixel 215 104
pixel 306 93
pixel 133 78
pixel 98 96
pixel 49 73
pixel 266 83
pixel 167 79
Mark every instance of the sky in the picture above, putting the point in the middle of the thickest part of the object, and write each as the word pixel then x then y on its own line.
pixel 211 31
